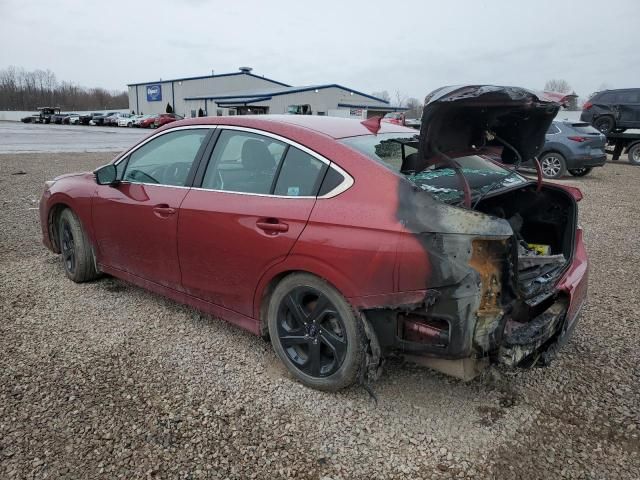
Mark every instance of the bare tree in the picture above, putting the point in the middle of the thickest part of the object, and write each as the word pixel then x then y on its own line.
pixel 22 90
pixel 415 107
pixel 383 94
pixel 400 98
pixel 557 85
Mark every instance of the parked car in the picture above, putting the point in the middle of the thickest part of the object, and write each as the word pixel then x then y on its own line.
pixel 100 119
pixel 165 118
pixel 613 110
pixel 58 118
pixel 147 121
pixel 73 119
pixel 413 123
pixel 464 261
pixel 127 120
pixel 396 118
pixel 574 147
pixel 31 119
pixel 86 118
pixel 111 120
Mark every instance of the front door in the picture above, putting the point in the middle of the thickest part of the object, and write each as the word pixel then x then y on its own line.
pixel 255 199
pixel 136 220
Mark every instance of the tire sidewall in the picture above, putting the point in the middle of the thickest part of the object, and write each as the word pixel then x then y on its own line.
pixel 350 368
pixel 607 118
pixel 85 269
pixel 633 149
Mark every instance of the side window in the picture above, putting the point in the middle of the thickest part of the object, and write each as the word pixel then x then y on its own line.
pixel 332 179
pixel 243 162
pixel 165 160
pixel 630 97
pixel 300 175
pixel 608 98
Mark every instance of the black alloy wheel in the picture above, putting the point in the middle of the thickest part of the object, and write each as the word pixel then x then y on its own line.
pixel 605 124
pixel 68 248
pixel 315 332
pixel 311 332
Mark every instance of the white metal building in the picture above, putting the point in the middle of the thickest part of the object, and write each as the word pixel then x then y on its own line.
pixel 242 93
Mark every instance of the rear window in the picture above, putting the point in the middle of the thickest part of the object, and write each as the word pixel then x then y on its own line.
pixel 396 151
pixel 584 128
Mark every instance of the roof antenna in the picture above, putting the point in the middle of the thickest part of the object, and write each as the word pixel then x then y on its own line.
pixel 373 124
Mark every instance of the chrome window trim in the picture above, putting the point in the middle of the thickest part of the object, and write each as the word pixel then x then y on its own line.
pixel 346 183
pixel 157 135
pixel 343 186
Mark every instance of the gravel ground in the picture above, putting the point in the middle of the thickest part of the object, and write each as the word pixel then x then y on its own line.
pixel 105 380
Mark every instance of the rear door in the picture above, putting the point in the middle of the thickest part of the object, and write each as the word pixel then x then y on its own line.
pixel 254 199
pixel 629 108
pixel 136 221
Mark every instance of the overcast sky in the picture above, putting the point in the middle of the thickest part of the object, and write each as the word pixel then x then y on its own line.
pixel 413 47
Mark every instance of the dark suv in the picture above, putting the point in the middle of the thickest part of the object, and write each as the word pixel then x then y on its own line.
pixel 613 110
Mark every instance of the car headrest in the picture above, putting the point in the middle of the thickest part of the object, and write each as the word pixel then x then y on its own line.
pixel 256 156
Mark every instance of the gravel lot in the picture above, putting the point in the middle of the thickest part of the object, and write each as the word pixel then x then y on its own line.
pixel 105 380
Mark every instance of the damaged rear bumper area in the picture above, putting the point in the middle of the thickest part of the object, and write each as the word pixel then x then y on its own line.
pixel 491 299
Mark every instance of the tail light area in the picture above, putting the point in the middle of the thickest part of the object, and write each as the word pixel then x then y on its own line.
pixel 578 139
pixel 587 106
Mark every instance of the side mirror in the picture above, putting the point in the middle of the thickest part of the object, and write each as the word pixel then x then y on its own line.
pixel 106 175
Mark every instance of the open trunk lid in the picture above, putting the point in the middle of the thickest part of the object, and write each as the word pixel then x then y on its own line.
pixel 458 118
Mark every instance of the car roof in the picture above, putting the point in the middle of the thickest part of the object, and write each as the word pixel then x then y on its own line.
pixel 335 127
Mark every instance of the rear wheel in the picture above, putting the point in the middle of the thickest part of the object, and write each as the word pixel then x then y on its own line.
pixel 77 254
pixel 605 124
pixel 634 154
pixel 315 332
pixel 580 172
pixel 553 165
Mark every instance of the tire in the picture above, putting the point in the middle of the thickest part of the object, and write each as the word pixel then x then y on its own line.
pixel 315 332
pixel 77 254
pixel 553 165
pixel 606 124
pixel 580 172
pixel 634 154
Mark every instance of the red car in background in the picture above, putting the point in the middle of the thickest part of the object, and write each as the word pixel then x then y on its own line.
pixel 165 118
pixel 397 118
pixel 146 122
pixel 344 241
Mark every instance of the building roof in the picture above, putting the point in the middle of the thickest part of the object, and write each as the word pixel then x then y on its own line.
pixel 208 76
pixel 284 90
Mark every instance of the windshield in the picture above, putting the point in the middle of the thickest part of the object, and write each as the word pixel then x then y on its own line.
pixel 398 150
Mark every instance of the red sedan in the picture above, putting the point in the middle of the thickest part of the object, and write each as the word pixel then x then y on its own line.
pixel 165 118
pixel 147 122
pixel 344 241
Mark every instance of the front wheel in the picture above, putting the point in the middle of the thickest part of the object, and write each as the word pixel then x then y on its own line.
pixel 315 332
pixel 580 172
pixel 77 254
pixel 634 154
pixel 553 165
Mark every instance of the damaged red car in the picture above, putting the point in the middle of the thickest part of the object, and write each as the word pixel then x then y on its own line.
pixel 345 241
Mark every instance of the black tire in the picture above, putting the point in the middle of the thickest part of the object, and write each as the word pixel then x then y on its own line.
pixel 634 154
pixel 553 165
pixel 580 172
pixel 77 254
pixel 605 124
pixel 315 332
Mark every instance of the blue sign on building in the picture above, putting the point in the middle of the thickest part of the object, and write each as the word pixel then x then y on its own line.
pixel 154 93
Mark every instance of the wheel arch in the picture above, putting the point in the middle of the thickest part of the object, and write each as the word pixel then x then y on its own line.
pixel 277 273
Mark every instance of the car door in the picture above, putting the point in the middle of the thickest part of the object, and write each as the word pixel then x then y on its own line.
pixel 136 220
pixel 629 108
pixel 253 202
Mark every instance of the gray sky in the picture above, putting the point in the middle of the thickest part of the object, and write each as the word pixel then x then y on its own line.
pixel 413 47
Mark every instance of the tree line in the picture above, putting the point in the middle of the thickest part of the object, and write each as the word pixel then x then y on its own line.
pixel 28 90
